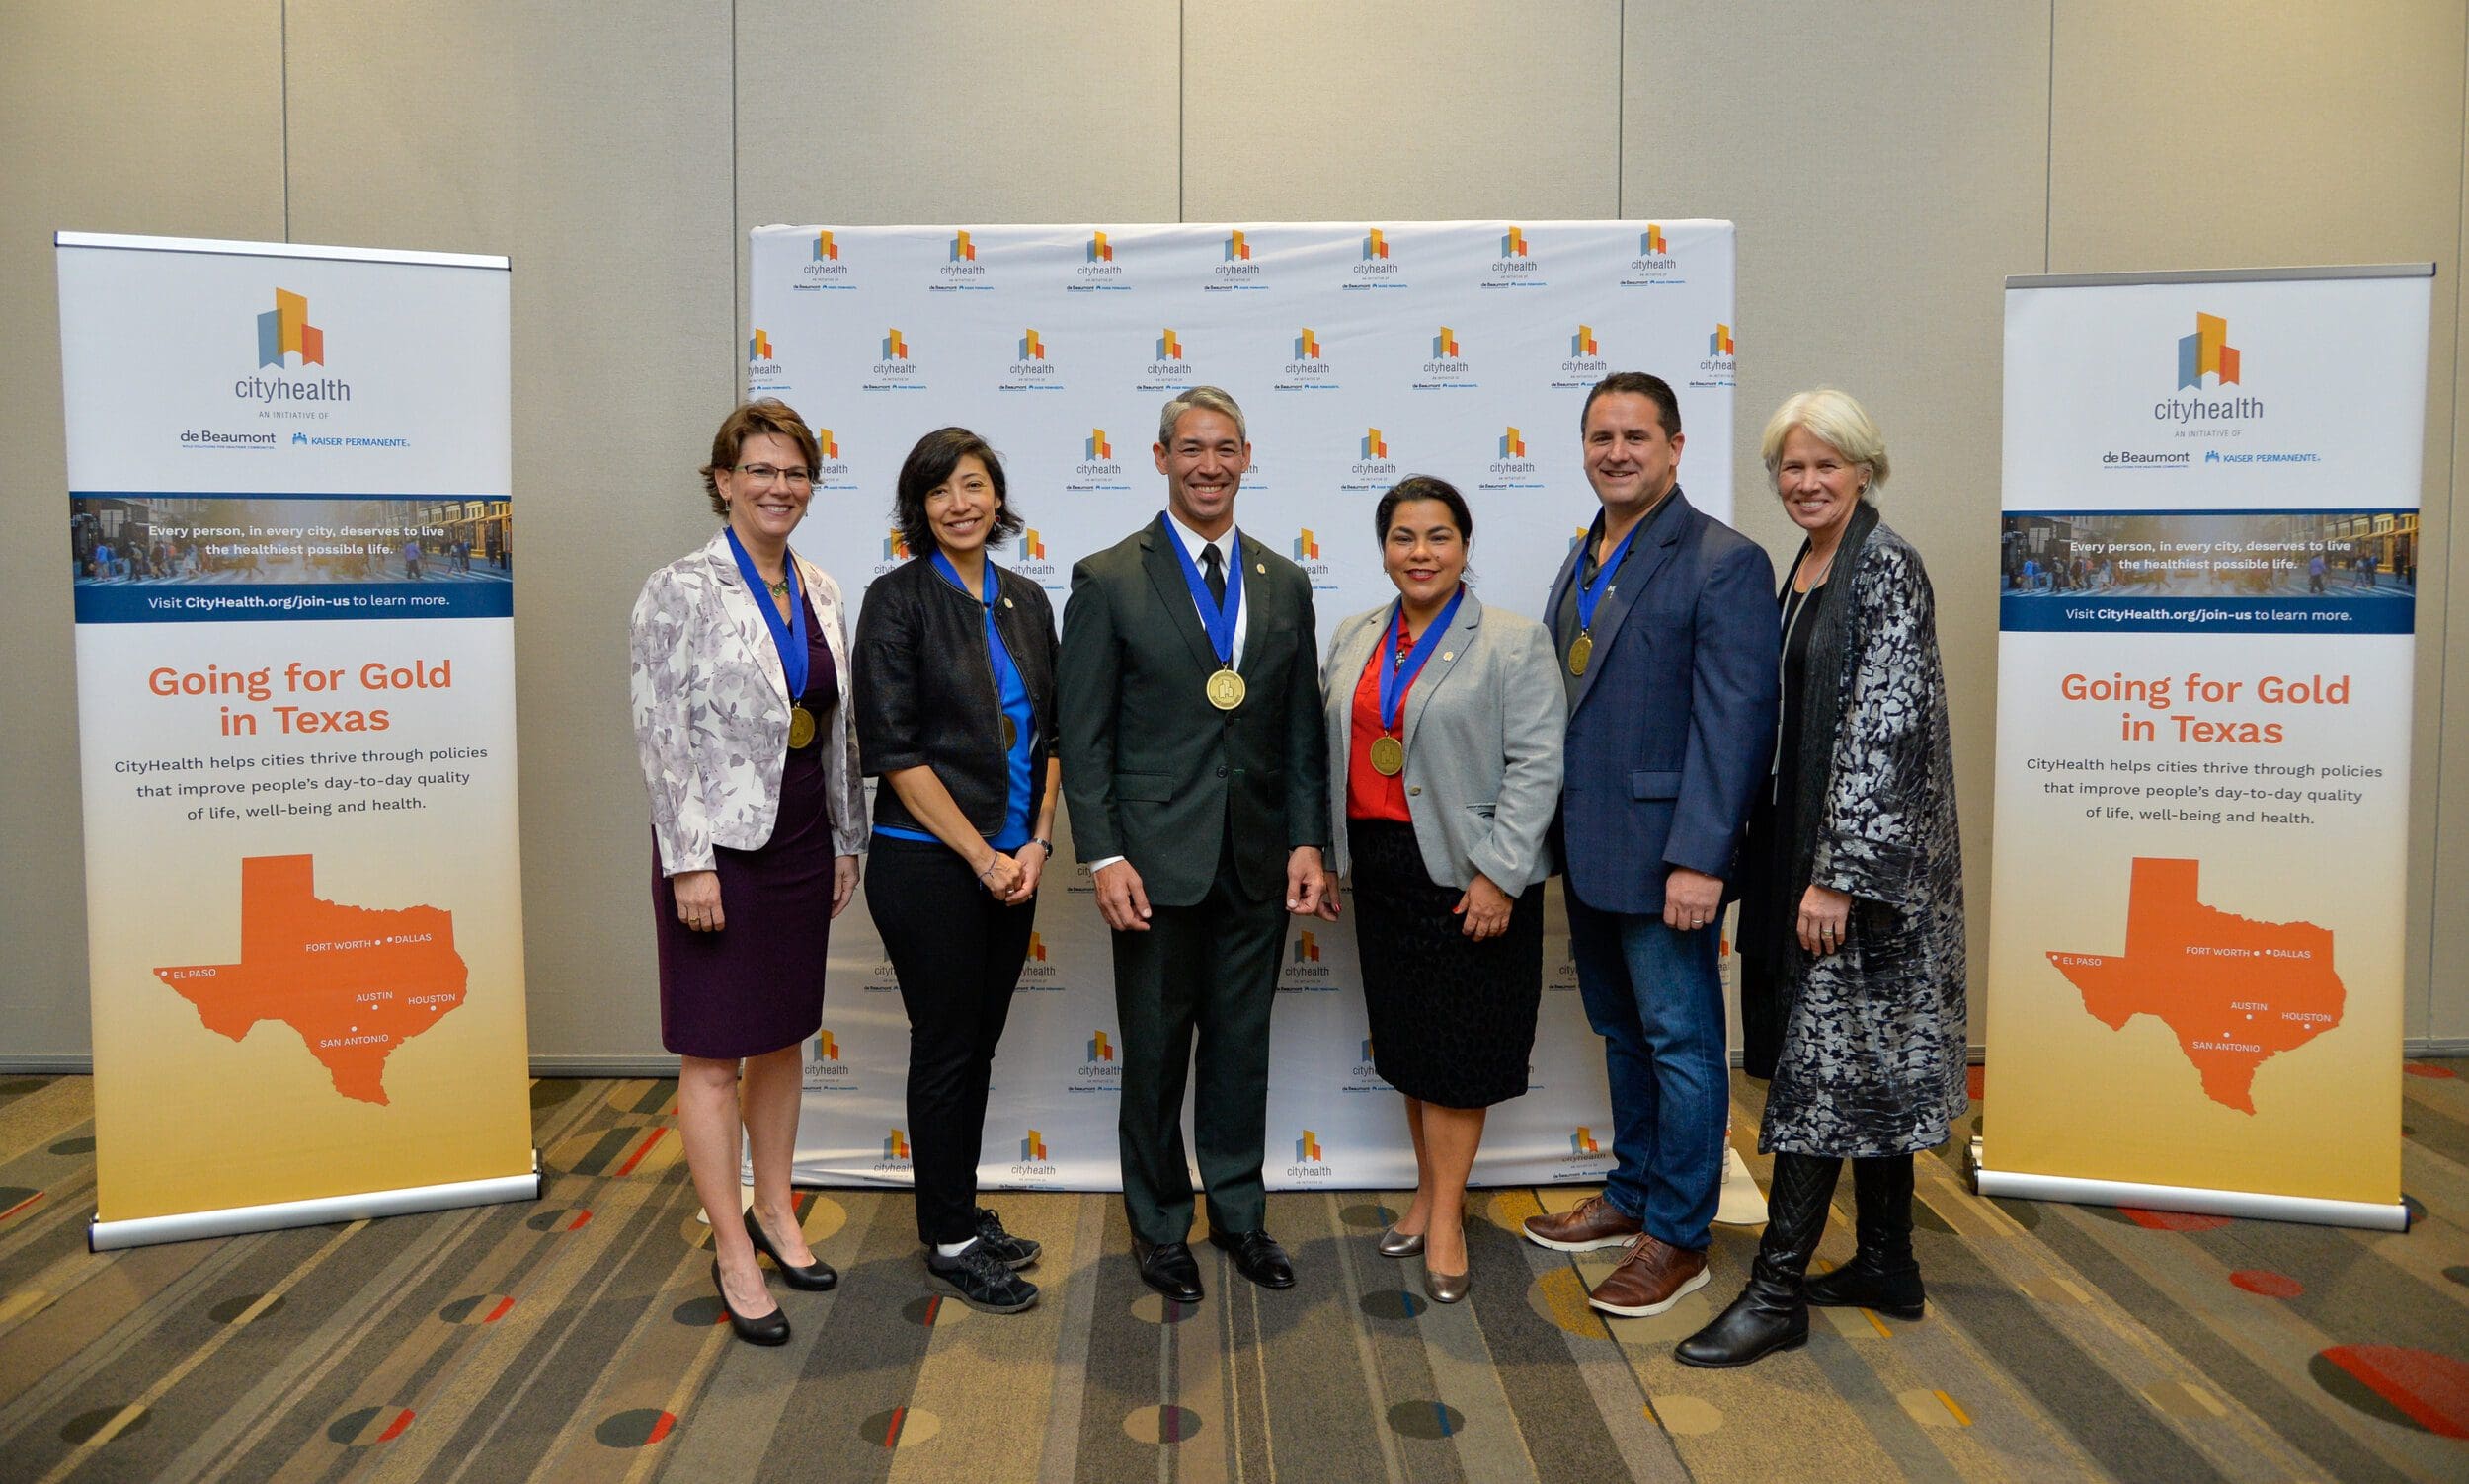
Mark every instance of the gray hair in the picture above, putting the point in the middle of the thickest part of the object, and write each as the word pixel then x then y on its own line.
pixel 1200 399
pixel 1834 418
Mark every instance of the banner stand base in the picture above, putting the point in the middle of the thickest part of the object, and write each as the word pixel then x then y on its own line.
pixel 2187 1197
pixel 325 1210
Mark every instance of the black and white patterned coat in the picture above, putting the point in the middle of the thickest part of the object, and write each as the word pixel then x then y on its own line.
pixel 1872 1059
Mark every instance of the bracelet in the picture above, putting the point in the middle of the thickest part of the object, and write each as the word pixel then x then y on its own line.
pixel 1042 844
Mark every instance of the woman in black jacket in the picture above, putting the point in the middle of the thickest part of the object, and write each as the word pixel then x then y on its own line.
pixel 955 682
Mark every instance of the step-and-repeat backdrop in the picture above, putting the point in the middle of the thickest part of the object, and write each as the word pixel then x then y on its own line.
pixel 1361 352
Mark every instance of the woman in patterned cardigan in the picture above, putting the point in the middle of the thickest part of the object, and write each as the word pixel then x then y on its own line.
pixel 1852 901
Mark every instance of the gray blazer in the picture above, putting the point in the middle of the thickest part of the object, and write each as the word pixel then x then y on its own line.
pixel 711 711
pixel 1483 726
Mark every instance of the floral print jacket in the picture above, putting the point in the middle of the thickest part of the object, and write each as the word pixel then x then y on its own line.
pixel 711 710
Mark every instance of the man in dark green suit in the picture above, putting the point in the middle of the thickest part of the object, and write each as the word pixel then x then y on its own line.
pixel 1197 772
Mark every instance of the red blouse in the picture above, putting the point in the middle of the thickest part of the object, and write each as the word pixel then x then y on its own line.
pixel 1368 795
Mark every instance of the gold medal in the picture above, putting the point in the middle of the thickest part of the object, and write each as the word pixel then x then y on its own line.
pixel 1225 690
pixel 1389 757
pixel 1011 734
pixel 1581 650
pixel 801 726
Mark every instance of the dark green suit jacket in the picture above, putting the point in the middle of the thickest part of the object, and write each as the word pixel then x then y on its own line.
pixel 1154 772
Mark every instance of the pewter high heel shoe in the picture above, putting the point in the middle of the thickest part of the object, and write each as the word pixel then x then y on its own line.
pixel 1396 1243
pixel 1447 1287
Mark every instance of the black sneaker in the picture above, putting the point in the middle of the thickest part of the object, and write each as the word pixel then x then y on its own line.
pixel 1011 1251
pixel 980 1280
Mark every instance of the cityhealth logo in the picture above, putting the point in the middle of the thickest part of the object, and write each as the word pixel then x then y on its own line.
pixel 1583 342
pixel 1510 468
pixel 1237 264
pixel 1655 263
pixel 826 265
pixel 1448 364
pixel 1307 549
pixel 758 346
pixel 1036 974
pixel 826 1072
pixel 1099 1065
pixel 963 250
pixel 1169 345
pixel 1310 363
pixel 1374 270
pixel 1304 969
pixel 1033 547
pixel 961 263
pixel 1650 243
pixel 1721 361
pixel 1583 1141
pixel 1311 1158
pixel 1306 948
pixel 1033 1156
pixel 1097 265
pixel 2206 361
pixel 1098 469
pixel 895 1151
pixel 284 330
pixel 895 546
pixel 896 370
pixel 826 1047
pixel 1516 260
pixel 1031 371
pixel 1585 364
pixel 1374 445
pixel 1167 372
pixel 829 473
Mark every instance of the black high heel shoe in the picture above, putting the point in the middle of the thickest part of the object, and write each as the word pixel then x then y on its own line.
pixel 814 1278
pixel 770 1329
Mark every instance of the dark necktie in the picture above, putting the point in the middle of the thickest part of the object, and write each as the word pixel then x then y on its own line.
pixel 1216 575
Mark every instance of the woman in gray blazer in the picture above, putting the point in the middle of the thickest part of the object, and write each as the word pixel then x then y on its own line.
pixel 1448 718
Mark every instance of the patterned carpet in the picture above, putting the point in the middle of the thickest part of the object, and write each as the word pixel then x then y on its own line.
pixel 577 1339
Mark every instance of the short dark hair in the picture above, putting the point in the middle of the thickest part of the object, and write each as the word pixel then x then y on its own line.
pixel 1423 486
pixel 754 419
pixel 930 463
pixel 1638 384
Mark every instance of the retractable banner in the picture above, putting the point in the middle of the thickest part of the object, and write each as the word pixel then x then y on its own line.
pixel 292 549
pixel 2207 602
pixel 1361 354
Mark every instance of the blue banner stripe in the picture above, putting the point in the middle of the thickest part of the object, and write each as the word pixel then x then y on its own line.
pixel 229 602
pixel 2066 613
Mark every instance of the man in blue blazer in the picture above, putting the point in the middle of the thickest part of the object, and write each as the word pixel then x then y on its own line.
pixel 1665 623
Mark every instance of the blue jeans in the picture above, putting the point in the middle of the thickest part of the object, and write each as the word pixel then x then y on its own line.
pixel 1655 997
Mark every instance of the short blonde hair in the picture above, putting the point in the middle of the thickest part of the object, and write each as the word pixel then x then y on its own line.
pixel 1836 420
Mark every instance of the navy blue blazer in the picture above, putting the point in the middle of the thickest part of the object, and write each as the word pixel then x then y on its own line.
pixel 1673 727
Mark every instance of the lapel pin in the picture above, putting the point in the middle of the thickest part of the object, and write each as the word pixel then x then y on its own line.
pixel 1261 568
pixel 1007 603
pixel 1448 653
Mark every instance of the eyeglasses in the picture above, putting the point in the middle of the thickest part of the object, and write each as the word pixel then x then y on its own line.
pixel 763 474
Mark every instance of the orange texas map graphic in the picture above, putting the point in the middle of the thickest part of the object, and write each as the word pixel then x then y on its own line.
pixel 2235 991
pixel 355 981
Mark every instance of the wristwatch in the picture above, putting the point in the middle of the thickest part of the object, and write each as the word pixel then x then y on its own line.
pixel 1045 844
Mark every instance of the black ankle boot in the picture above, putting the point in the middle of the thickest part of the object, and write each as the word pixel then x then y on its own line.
pixel 1770 1314
pixel 1882 1273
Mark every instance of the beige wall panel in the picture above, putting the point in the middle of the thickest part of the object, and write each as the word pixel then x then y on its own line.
pixel 1885 167
pixel 1443 110
pixel 959 111
pixel 597 156
pixel 2226 134
pixel 2445 632
pixel 163 118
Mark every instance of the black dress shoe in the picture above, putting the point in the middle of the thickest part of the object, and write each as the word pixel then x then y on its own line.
pixel 770 1329
pixel 814 1278
pixel 1257 1256
pixel 1169 1268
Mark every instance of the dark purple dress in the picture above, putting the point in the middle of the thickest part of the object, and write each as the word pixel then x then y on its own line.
pixel 756 985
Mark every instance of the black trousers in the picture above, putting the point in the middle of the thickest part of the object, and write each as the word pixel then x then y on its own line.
pixel 957 953
pixel 1207 972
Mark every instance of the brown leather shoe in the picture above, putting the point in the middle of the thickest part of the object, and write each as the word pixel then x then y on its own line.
pixel 1594 1222
pixel 1654 1275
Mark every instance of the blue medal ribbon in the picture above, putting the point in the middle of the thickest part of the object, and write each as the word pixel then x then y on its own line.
pixel 1218 619
pixel 787 636
pixel 1398 677
pixel 1591 593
